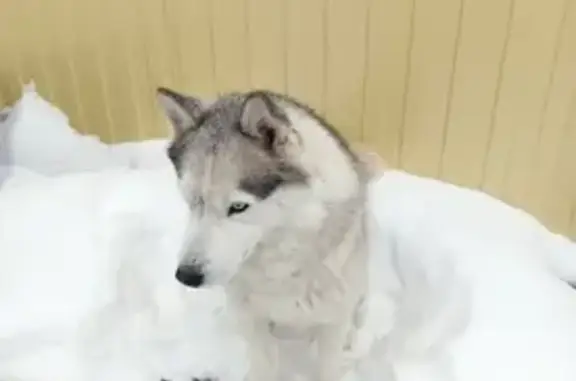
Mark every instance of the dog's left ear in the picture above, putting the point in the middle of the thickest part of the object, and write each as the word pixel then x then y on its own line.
pixel 265 122
pixel 182 110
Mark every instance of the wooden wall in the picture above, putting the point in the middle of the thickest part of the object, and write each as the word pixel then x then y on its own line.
pixel 477 92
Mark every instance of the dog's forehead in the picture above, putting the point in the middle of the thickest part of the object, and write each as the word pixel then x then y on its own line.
pixel 223 176
pixel 228 160
pixel 214 124
pixel 216 167
pixel 224 112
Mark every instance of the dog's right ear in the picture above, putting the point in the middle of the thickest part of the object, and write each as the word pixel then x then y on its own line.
pixel 263 121
pixel 182 110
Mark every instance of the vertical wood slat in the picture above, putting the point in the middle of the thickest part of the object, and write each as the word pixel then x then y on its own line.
pixel 231 56
pixel 547 177
pixel 476 76
pixel 560 197
pixel 156 60
pixel 436 29
pixel 304 50
pixel 266 23
pixel 195 45
pixel 56 64
pixel 70 58
pixel 389 46
pixel 92 73
pixel 527 130
pixel 10 66
pixel 525 78
pixel 35 59
pixel 344 66
pixel 141 82
pixel 571 126
pixel 117 61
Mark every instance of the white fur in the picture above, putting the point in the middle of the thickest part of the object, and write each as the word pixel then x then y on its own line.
pixel 333 178
pixel 239 196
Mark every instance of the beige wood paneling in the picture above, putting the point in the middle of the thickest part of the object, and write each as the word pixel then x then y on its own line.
pixel 390 28
pixel 477 73
pixel 477 92
pixel 436 27
pixel 305 37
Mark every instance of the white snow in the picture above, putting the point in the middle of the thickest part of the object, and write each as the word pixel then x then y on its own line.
pixel 465 288
pixel 40 138
pixel 145 154
pixel 91 264
pixel 37 135
pixel 481 272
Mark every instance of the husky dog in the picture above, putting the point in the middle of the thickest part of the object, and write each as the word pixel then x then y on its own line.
pixel 278 201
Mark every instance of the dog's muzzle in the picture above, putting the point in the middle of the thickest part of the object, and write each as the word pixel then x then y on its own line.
pixel 190 275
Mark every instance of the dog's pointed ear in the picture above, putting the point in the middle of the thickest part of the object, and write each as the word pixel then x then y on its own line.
pixel 264 121
pixel 182 110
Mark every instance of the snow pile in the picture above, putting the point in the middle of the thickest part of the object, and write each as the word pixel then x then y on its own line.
pixel 465 288
pixel 37 135
pixel 146 154
pixel 87 264
pixel 479 285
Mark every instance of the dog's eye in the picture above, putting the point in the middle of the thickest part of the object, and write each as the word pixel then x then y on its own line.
pixel 237 208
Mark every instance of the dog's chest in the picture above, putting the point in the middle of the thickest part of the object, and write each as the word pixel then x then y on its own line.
pixel 290 298
pixel 304 278
pixel 296 291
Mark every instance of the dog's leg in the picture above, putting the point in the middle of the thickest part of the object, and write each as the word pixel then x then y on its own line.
pixel 262 352
pixel 332 340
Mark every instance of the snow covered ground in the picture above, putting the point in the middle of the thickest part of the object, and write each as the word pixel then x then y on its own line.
pixel 464 287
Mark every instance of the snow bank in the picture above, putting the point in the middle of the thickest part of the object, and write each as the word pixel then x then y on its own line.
pixel 146 154
pixel 37 135
pixel 481 295
pixel 87 288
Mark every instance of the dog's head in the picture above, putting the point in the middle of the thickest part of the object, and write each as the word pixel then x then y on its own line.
pixel 248 163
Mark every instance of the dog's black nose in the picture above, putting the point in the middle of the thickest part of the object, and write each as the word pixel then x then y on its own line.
pixel 190 275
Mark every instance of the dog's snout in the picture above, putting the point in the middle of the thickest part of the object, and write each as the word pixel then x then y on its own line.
pixel 190 275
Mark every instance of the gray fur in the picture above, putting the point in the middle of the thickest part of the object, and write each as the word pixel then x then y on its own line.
pixel 263 184
pixel 297 257
pixel 224 116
